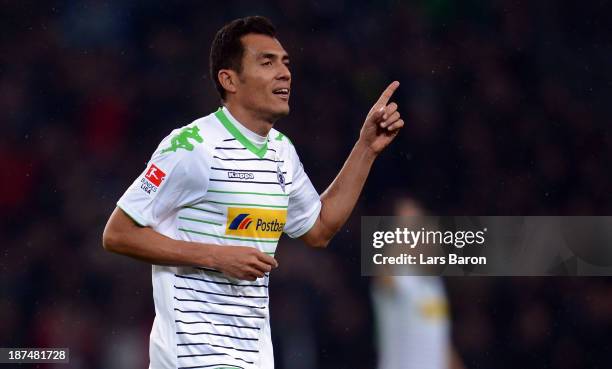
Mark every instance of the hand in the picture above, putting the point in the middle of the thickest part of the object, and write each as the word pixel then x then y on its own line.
pixel 243 262
pixel 382 123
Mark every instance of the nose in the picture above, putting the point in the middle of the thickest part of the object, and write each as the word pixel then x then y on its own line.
pixel 284 73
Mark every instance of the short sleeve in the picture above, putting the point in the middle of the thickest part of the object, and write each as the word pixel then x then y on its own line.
pixel 304 201
pixel 170 181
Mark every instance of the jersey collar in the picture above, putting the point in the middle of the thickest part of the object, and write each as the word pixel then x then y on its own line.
pixel 260 152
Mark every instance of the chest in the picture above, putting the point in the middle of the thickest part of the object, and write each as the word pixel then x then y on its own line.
pixel 234 168
pixel 246 197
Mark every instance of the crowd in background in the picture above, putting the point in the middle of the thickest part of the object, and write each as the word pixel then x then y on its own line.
pixel 507 109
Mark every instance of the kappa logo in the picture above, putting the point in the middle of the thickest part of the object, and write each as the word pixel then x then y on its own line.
pixel 241 221
pixel 181 139
pixel 152 179
pixel 240 175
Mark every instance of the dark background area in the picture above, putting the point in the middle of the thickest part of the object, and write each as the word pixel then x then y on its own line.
pixel 507 105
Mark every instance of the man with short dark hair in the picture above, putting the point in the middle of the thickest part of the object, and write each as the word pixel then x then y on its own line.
pixel 211 205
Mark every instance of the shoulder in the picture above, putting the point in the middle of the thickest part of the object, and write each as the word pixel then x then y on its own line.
pixel 278 137
pixel 280 142
pixel 195 137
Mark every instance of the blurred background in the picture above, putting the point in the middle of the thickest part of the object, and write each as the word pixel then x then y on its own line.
pixel 507 105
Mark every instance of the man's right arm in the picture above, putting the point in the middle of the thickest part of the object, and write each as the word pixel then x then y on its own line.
pixel 123 236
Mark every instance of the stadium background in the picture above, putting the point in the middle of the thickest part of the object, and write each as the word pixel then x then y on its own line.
pixel 507 107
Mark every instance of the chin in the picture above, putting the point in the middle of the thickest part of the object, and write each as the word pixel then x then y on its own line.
pixel 281 111
pixel 286 111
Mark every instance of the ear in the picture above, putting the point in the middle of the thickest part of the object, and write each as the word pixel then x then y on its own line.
pixel 228 79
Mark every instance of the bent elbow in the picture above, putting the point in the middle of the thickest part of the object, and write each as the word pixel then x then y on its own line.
pixel 109 240
pixel 320 243
pixel 318 236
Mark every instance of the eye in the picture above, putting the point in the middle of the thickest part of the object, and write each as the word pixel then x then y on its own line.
pixel 267 63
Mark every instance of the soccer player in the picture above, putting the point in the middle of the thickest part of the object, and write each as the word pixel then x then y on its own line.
pixel 412 316
pixel 211 205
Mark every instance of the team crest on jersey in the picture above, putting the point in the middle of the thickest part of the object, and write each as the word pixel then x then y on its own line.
pixel 255 223
pixel 280 177
pixel 152 179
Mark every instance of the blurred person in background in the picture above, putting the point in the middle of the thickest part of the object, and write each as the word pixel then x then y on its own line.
pixel 412 316
pixel 231 179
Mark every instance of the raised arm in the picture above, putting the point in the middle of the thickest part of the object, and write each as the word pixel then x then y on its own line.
pixel 123 236
pixel 381 126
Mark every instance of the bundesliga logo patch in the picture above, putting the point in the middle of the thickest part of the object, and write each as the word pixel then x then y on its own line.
pixel 152 179
pixel 256 223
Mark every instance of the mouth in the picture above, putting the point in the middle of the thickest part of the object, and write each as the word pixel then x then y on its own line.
pixel 283 93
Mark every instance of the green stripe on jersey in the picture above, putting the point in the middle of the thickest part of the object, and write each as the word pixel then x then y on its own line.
pixel 241 204
pixel 228 238
pixel 201 221
pixel 204 210
pixel 259 151
pixel 250 193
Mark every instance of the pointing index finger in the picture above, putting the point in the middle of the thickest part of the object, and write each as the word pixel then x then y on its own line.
pixel 387 93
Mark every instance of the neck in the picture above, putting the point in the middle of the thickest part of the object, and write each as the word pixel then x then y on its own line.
pixel 250 119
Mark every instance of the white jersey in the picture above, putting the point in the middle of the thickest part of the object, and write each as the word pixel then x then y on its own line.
pixel 413 324
pixel 210 182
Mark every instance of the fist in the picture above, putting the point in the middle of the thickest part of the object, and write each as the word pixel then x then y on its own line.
pixel 242 262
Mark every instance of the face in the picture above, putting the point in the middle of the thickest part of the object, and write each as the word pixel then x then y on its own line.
pixel 264 85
